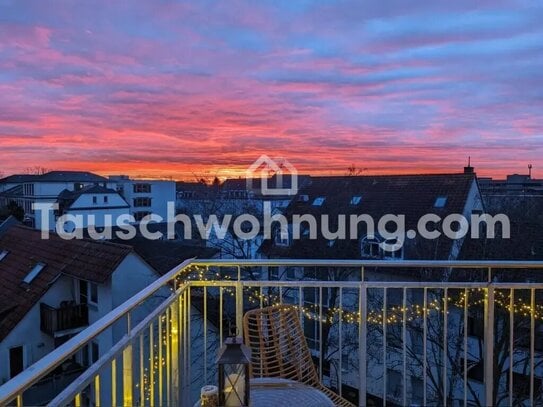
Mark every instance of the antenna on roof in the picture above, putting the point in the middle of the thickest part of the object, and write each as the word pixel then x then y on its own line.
pixel 529 170
pixel 469 169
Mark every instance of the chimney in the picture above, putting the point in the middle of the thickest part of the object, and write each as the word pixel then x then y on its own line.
pixel 469 169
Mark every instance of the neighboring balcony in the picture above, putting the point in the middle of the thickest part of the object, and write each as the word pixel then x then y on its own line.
pixel 65 320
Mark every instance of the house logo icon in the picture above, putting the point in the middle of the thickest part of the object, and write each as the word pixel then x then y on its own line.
pixel 280 169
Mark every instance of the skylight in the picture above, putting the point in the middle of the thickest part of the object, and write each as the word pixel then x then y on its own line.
pixel 3 254
pixel 440 202
pixel 355 200
pixel 318 201
pixel 34 272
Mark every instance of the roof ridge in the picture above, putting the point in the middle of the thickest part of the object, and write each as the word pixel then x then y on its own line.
pixel 85 239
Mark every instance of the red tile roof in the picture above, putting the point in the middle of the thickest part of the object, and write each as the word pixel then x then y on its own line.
pixel 85 259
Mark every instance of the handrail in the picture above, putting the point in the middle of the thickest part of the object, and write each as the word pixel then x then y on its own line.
pixel 85 378
pixel 12 388
pixel 42 367
pixel 371 263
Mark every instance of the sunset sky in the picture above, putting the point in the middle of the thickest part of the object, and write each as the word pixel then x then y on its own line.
pixel 171 88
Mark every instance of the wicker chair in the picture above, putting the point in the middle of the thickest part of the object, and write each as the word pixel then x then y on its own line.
pixel 279 348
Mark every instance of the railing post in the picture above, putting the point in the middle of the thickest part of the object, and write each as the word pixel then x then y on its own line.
pixel 489 345
pixel 127 368
pixel 362 344
pixel 174 343
pixel 239 305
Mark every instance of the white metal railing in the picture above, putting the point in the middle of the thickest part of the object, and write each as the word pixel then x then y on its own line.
pixel 372 327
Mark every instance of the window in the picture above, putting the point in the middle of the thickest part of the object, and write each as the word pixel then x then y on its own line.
pixel 142 202
pixel 16 361
pixel 319 201
pixel 28 189
pixel 3 254
pixel 523 335
pixel 83 292
pixel 417 390
pixel 282 237
pixel 395 252
pixel 27 206
pixel 311 332
pixel 355 200
pixel 142 188
pixel 95 352
pixel 94 199
pixel 237 194
pixel 521 385
pixel 291 273
pixel 90 354
pixel 345 361
pixel 417 345
pixel 138 216
pixel 106 199
pixel 371 247
pixel 274 273
pixel 394 384
pixel 93 288
pixel 476 369
pixel 85 356
pixel 34 272
pixel 312 300
pixel 440 202
pixel 476 326
pixel 78 186
pixel 88 292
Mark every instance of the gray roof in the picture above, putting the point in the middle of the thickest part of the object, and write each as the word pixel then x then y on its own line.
pixel 70 176
pixel 410 195
pixel 55 176
pixel 18 178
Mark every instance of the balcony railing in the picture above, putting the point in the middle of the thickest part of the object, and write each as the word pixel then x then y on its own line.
pixel 389 331
pixel 63 319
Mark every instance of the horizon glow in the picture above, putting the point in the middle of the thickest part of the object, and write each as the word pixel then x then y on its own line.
pixel 187 90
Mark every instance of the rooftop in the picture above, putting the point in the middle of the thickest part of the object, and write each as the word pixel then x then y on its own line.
pixel 55 176
pixel 409 195
pixel 85 259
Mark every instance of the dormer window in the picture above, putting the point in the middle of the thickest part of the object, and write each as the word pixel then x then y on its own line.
pixel 282 237
pixel 440 202
pixel 318 201
pixel 34 272
pixel 3 254
pixel 355 200
pixel 370 247
pixel 392 249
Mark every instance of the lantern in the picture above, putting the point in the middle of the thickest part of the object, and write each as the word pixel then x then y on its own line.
pixel 234 363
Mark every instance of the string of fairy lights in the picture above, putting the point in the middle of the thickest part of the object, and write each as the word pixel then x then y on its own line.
pixel 476 297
